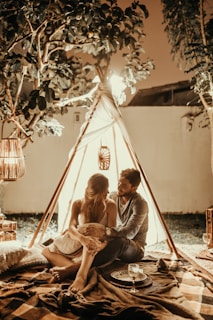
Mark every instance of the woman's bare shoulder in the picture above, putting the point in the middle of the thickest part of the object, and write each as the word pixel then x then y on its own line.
pixel 110 202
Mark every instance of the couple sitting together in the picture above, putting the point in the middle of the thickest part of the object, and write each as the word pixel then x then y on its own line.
pixel 103 228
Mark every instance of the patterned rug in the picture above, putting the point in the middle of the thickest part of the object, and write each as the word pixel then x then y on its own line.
pixel 174 293
pixel 195 285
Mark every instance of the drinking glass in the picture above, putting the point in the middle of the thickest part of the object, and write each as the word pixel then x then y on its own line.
pixel 133 271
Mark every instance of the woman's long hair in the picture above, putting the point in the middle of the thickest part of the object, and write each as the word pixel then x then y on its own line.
pixel 94 205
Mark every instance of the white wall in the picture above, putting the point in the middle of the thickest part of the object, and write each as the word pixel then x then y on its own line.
pixel 45 162
pixel 176 162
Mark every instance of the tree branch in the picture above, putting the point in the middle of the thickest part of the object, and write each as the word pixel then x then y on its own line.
pixel 205 103
pixel 24 72
pixel 9 97
pixel 83 97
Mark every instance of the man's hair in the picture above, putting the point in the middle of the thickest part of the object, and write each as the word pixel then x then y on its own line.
pixel 132 175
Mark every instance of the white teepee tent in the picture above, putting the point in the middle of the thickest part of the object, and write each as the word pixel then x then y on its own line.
pixel 103 126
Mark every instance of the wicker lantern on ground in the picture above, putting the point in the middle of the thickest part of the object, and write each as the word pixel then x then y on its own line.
pixel 104 158
pixel 12 162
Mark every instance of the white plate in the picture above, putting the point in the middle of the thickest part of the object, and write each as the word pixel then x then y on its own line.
pixel 124 277
pixel 210 250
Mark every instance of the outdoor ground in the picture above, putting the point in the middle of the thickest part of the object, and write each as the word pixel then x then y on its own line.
pixel 185 229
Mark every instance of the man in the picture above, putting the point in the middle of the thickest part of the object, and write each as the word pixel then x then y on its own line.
pixel 127 240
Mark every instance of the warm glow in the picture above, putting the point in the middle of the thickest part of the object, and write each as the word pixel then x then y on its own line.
pixel 117 84
pixel 118 88
pixel 10 161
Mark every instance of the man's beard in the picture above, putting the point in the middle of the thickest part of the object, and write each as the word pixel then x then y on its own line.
pixel 126 194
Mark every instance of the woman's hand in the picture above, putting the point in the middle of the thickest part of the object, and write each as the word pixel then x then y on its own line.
pixel 92 244
pixel 100 245
pixel 65 231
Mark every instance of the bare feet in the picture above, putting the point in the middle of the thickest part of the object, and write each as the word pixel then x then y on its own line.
pixel 78 284
pixel 62 273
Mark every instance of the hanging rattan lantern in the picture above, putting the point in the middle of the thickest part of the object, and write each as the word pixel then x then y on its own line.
pixel 12 162
pixel 104 158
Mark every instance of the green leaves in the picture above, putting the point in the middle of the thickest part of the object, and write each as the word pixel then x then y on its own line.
pixel 49 52
pixel 189 27
pixel 190 33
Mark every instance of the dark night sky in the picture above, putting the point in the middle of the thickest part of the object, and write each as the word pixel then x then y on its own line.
pixel 157 48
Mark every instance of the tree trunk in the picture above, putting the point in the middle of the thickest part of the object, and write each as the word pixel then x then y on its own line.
pixel 210 113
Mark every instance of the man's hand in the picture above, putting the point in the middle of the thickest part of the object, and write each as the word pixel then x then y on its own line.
pixel 111 233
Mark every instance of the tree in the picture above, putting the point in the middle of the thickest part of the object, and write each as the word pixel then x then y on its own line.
pixel 51 51
pixel 189 27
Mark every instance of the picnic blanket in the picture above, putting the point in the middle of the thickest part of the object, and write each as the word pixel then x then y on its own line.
pixel 28 295
pixel 205 254
pixel 197 288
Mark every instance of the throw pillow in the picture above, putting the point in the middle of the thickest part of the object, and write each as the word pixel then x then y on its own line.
pixel 11 252
pixel 33 258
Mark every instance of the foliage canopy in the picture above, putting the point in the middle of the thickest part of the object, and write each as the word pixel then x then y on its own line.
pixel 189 27
pixel 51 51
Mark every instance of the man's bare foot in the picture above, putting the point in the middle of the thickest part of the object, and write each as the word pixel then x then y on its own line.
pixel 62 273
pixel 78 284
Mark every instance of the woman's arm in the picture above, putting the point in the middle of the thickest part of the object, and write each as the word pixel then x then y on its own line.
pixel 75 211
pixel 111 213
pixel 91 243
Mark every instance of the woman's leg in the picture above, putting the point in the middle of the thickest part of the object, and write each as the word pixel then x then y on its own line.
pixel 55 259
pixel 64 267
pixel 81 276
pixel 87 260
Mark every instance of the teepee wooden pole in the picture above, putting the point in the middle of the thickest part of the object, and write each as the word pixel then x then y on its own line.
pixel 116 154
pixel 52 204
pixel 75 185
pixel 135 160
pixel 117 115
pixel 47 221
pixel 170 242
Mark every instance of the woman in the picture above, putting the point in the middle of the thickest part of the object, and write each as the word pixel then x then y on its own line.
pixel 95 207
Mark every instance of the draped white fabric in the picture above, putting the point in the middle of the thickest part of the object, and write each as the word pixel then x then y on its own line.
pixel 104 126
